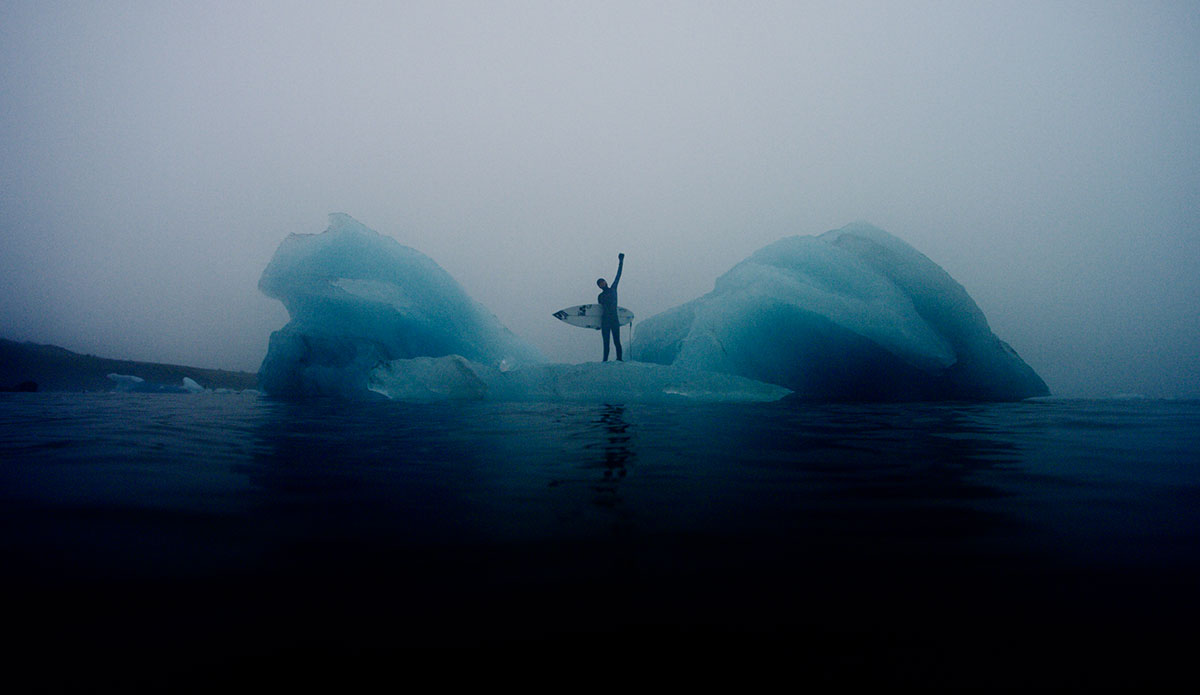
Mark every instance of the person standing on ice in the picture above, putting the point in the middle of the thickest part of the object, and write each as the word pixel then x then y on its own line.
pixel 610 325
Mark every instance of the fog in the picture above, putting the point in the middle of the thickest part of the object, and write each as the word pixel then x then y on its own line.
pixel 1047 155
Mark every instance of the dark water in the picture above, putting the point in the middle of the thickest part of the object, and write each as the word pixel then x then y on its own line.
pixel 173 541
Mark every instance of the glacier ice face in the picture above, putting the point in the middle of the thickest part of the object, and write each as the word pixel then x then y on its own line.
pixel 357 300
pixel 456 378
pixel 852 314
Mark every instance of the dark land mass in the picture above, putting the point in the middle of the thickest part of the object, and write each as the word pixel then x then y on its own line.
pixel 34 367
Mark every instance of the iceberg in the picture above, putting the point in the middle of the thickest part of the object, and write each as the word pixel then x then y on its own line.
pixel 854 314
pixel 370 317
pixel 357 300
pixel 456 378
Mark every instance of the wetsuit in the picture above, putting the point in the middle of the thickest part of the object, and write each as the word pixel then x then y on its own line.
pixel 609 323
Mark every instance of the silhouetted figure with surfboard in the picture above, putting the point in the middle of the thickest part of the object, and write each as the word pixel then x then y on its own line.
pixel 610 324
pixel 605 317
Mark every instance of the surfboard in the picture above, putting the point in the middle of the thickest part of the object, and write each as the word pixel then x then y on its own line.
pixel 588 315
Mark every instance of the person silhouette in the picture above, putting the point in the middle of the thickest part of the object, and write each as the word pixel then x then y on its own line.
pixel 610 325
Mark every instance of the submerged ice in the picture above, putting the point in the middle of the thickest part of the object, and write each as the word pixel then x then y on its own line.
pixel 852 314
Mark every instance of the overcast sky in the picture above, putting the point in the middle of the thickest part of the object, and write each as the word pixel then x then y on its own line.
pixel 1046 154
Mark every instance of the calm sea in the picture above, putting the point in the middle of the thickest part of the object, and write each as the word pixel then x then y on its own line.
pixel 153 539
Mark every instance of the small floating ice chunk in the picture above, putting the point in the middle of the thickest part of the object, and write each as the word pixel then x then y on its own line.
pixel 126 382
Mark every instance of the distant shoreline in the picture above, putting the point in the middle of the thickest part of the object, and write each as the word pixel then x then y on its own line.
pixel 53 368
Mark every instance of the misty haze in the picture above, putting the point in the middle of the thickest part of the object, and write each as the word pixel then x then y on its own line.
pixel 307 309
pixel 1042 153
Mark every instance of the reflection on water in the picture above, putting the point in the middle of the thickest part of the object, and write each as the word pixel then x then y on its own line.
pixel 1042 475
pixel 615 452
pixel 406 522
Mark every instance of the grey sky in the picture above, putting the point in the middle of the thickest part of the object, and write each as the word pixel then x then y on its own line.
pixel 1047 154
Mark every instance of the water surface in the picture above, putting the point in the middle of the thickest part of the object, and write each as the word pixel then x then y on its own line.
pixel 1055 536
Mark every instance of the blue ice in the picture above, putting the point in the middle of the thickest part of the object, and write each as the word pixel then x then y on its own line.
pixel 852 314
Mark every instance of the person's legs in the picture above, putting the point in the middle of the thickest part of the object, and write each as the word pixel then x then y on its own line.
pixel 616 337
pixel 604 331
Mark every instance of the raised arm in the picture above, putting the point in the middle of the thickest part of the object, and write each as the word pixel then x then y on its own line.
pixel 620 266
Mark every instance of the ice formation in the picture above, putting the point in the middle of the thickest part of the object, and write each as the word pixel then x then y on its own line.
pixel 456 378
pixel 127 383
pixel 370 316
pixel 358 300
pixel 852 314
